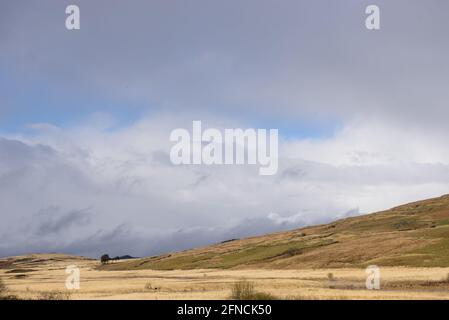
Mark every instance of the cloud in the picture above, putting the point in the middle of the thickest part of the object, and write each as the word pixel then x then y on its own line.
pixel 49 221
pixel 90 190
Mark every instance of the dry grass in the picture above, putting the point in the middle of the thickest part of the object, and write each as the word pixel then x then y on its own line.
pixel 55 295
pixel 4 292
pixel 49 278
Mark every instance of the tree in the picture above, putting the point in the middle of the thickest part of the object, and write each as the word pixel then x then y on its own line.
pixel 105 259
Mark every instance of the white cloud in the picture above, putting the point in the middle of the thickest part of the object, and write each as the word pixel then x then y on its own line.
pixel 122 180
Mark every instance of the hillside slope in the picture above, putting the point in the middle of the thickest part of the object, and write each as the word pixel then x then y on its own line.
pixel 415 234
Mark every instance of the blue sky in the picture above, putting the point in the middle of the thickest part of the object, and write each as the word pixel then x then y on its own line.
pixel 39 100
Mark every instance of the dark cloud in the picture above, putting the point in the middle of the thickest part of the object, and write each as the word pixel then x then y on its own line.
pixel 51 221
pixel 123 239
pixel 16 154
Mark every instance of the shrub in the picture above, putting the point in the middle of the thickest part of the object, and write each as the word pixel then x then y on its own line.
pixel 244 290
pixel 292 252
pixel 330 276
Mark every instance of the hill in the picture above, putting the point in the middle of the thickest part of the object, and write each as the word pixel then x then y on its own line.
pixel 415 234
pixel 33 262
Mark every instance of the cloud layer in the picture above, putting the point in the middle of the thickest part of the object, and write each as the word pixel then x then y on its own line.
pixel 91 189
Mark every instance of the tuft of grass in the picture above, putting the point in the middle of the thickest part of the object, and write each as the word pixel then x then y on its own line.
pixel 55 295
pixel 244 290
pixel 263 296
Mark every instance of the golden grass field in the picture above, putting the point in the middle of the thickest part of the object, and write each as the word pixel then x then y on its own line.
pixel 31 277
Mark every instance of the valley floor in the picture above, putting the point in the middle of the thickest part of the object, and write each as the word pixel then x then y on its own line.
pixel 39 276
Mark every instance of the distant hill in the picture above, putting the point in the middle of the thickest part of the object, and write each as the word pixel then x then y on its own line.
pixel 415 234
pixel 33 262
pixel 125 257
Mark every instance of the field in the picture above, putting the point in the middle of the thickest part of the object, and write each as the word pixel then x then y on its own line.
pixel 43 277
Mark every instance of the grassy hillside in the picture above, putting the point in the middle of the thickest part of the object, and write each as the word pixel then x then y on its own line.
pixel 415 234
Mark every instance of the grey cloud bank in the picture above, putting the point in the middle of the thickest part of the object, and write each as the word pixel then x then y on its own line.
pixel 88 190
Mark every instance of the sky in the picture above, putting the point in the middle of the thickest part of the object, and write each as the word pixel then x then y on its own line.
pixel 86 115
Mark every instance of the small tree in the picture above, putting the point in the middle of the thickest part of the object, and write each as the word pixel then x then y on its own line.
pixel 105 259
